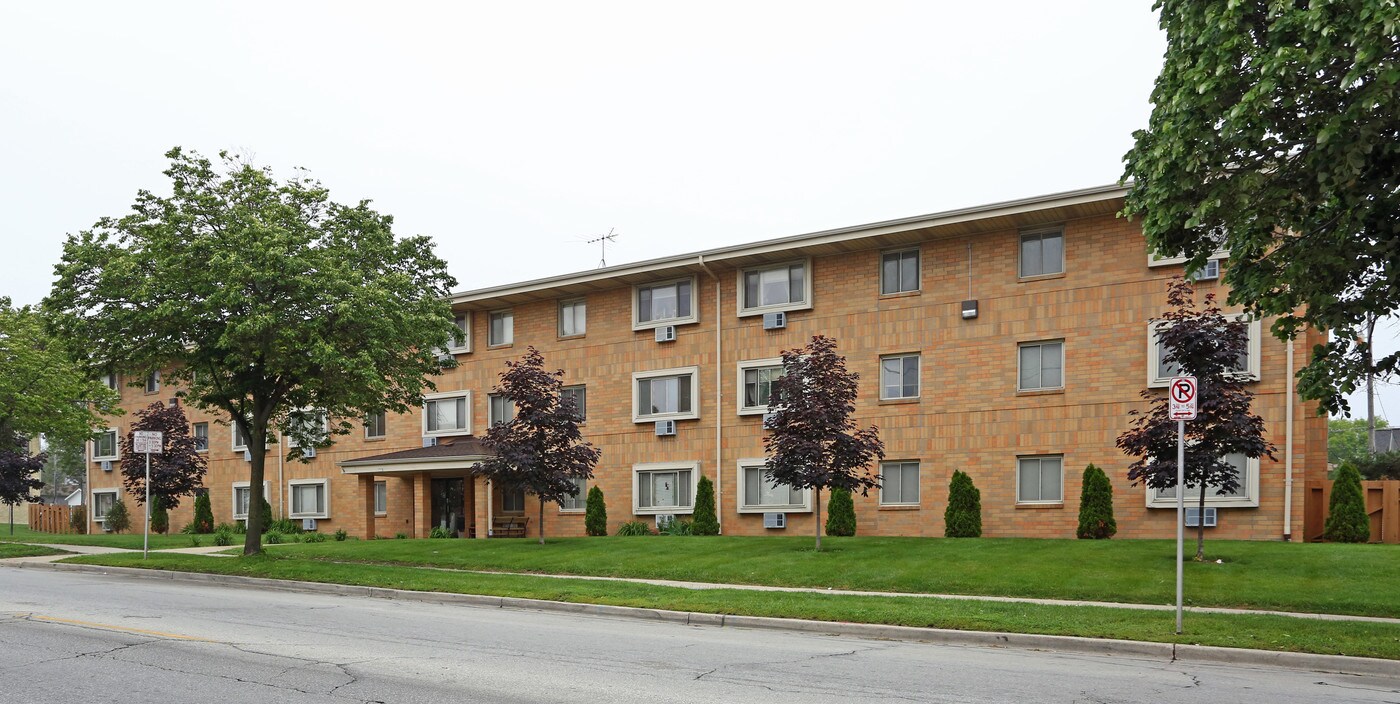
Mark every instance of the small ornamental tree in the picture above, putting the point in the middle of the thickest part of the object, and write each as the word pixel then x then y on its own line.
pixel 702 519
pixel 1096 506
pixel 595 519
pixel 963 516
pixel 266 512
pixel 1347 521
pixel 203 514
pixel 177 470
pixel 813 443
pixel 1209 346
pixel 160 518
pixel 18 471
pixel 841 513
pixel 77 519
pixel 117 518
pixel 541 449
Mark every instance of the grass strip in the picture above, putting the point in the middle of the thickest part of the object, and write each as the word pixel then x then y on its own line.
pixel 1280 633
pixel 8 550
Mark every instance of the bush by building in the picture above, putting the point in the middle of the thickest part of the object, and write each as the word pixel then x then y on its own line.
pixel 840 513
pixel 1096 506
pixel 703 520
pixel 963 517
pixel 1347 521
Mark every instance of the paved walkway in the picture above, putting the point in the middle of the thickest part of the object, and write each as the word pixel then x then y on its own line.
pixel 70 550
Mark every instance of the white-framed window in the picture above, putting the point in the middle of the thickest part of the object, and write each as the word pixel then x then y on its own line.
pixel 573 317
pixel 663 303
pixel 310 498
pixel 1040 366
pixel 513 500
pixel 502 328
pixel 1153 260
pixel 664 487
pixel 1043 252
pixel 243 497
pixel 1040 480
pixel 899 271
pixel 463 321
pixel 240 441
pixel 899 376
pixel 1246 496
pixel 112 381
pixel 447 413
pixel 759 494
pixel 664 394
pixel 899 483
pixel 756 378
pixel 153 382
pixel 579 394
pixel 105 445
pixel 200 432
pixel 579 502
pixel 501 409
pixel 1160 373
pixel 376 425
pixel 381 498
pixel 318 423
pixel 102 500
pixel 775 287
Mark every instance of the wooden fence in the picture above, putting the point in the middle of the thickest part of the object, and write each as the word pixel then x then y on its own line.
pixel 1382 505
pixel 50 518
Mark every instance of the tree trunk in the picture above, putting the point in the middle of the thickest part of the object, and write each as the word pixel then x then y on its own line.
pixel 818 500
pixel 257 449
pixel 541 520
pixel 1201 526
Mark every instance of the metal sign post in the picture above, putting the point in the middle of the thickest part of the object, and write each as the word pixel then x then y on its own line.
pixel 1181 402
pixel 147 442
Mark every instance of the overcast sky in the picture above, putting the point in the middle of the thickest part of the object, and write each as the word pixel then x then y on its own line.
pixel 513 132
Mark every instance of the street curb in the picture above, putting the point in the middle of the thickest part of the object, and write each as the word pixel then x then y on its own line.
pixel 1168 652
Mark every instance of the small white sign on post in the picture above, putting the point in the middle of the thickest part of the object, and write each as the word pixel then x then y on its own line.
pixel 1181 395
pixel 146 442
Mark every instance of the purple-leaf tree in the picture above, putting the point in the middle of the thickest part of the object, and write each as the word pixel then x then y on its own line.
pixel 18 472
pixel 540 449
pixel 1210 346
pixel 179 468
pixel 813 443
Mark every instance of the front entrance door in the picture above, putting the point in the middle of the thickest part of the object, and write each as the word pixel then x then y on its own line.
pixel 448 497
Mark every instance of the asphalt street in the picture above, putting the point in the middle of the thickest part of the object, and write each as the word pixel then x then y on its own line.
pixel 67 637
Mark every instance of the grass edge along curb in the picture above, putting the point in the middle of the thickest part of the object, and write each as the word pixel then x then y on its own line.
pixel 1385 665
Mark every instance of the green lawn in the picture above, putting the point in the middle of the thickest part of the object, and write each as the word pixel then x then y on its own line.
pixel 1228 630
pixel 8 550
pixel 1328 578
pixel 129 541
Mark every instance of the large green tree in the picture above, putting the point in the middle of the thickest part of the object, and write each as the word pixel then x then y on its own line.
pixel 44 389
pixel 1275 133
pixel 1348 439
pixel 259 299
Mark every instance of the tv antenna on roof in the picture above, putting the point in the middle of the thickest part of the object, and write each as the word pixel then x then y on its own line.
pixel 603 245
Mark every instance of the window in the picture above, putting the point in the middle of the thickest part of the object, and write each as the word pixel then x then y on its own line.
pixel 376 424
pixel 153 382
pixel 201 437
pixel 104 445
pixel 573 317
pixel 663 304
pixel 513 500
pixel 312 425
pixel 899 272
pixel 112 381
pixel 101 503
pixel 463 323
pixel 1042 252
pixel 579 394
pixel 1180 258
pixel 502 409
pixel 758 494
pixel 899 376
pixel 579 501
pixel 899 483
pixel 777 287
pixel 242 498
pixel 1040 480
pixel 381 498
pixel 665 394
pixel 756 384
pixel 662 487
pixel 447 414
pixel 1040 366
pixel 1160 372
pixel 1247 495
pixel 240 441
pixel 502 328
pixel 309 498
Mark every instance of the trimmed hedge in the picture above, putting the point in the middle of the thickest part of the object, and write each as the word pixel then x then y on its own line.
pixel 595 519
pixel 1096 506
pixel 703 520
pixel 1347 521
pixel 840 513
pixel 963 517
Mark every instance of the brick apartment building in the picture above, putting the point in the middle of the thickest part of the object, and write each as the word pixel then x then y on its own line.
pixel 1008 340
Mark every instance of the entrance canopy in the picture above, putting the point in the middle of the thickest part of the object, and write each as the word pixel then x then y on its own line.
pixel 450 453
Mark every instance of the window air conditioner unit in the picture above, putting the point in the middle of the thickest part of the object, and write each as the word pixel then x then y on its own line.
pixel 775 520
pixel 429 442
pixel 308 452
pixel 106 465
pixel 1193 517
pixel 247 456
pixel 664 519
pixel 666 333
pixel 445 356
pixel 1209 272
pixel 774 321
pixel 665 427
pixel 767 419
pixel 308 524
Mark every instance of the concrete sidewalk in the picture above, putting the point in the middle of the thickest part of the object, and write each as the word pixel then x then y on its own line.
pixel 71 550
